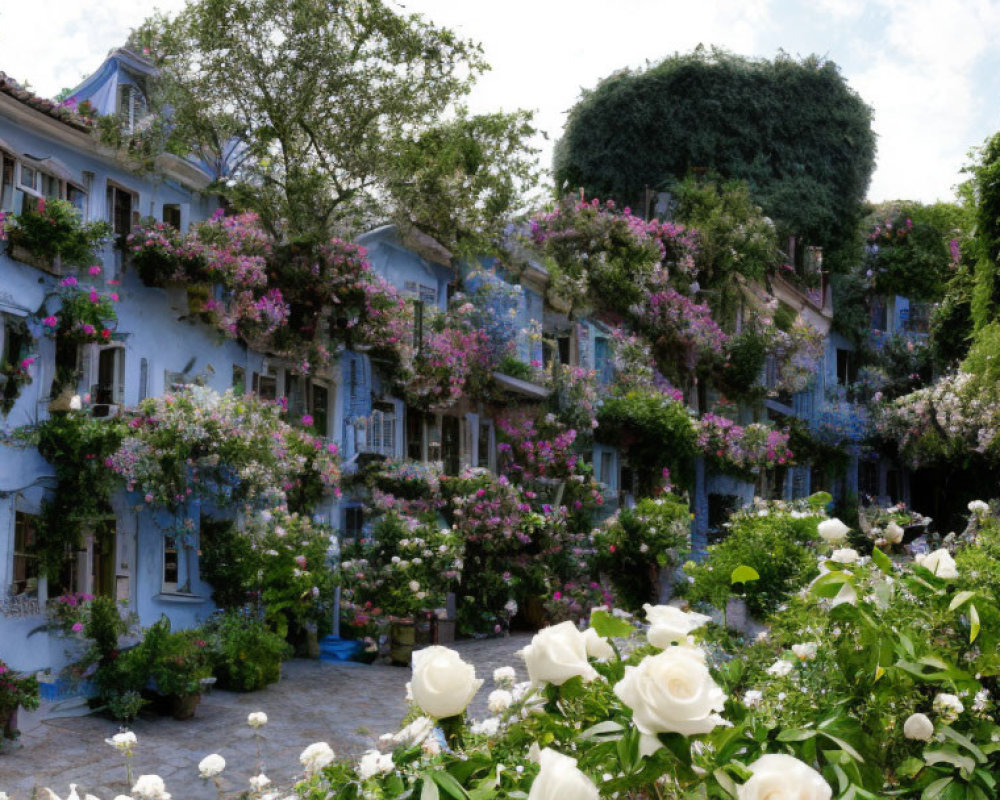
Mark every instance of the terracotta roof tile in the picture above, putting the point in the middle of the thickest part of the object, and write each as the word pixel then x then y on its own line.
pixel 48 107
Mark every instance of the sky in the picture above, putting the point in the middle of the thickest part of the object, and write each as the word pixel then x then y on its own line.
pixel 926 67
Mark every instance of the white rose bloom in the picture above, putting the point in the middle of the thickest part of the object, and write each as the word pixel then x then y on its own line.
pixel 833 530
pixel 487 727
pixel 316 756
pixel 257 719
pixel 412 734
pixel 597 646
pixel 259 782
pixel 780 668
pixel 846 555
pixel 556 654
pixel 212 765
pixel 780 777
pixel 122 742
pixel 669 625
pixel 499 700
pixel 75 403
pixel 893 533
pixel 374 763
pixel 806 651
pixel 672 691
pixel 414 586
pixel 753 698
pixel 150 787
pixel 560 779
pixel 919 727
pixel 948 706
pixel 979 508
pixel 503 676
pixel 443 684
pixel 940 563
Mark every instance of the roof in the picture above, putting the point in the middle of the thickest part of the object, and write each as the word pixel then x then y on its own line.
pixel 50 108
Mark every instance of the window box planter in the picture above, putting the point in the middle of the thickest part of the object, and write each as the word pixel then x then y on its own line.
pixel 53 265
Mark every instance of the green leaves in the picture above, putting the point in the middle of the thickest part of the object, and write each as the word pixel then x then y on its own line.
pixel 744 574
pixel 609 625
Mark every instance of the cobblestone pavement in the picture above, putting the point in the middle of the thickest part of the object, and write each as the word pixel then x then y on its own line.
pixel 347 705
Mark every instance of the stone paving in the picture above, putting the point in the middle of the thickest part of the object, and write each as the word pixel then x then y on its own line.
pixel 347 705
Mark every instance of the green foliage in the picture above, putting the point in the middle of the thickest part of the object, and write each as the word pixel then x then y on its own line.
pixel 16 691
pixel 986 182
pixel 322 145
pixel 245 655
pixel 907 258
pixel 229 563
pixel 179 661
pixel 55 228
pixel 734 237
pixel 793 130
pixel 77 446
pixel 771 540
pixel 657 430
pixel 746 354
pixel 635 544
pixel 951 320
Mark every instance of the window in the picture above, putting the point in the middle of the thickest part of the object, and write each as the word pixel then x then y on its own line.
pixel 484 455
pixel 14 339
pixel 239 379
pixel 143 379
pixel 120 209
pixel 131 106
pixel 414 435
pixel 171 564
pixel 266 386
pixel 172 215
pixel 25 577
pixel 110 387
pixel 606 468
pixel 7 183
pixel 319 408
pixel 354 521
pixel 563 344
pixel 602 364
pixel 847 370
pixel 420 292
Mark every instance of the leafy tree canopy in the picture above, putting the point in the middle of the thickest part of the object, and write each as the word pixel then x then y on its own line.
pixel 793 130
pixel 328 101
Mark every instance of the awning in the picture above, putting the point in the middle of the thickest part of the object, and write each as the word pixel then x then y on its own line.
pixel 53 166
pixel 523 388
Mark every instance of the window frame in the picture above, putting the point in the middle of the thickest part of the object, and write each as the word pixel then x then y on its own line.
pixel 25 554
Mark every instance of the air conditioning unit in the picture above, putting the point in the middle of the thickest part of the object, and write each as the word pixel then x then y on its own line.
pixel 104 410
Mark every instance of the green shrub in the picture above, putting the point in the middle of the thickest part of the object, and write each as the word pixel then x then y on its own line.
pixel 773 540
pixel 632 546
pixel 245 655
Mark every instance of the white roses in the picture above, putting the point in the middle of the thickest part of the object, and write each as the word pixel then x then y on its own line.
pixel 557 654
pixel 499 701
pixel 893 533
pixel 560 779
pixel 979 508
pixel 150 787
pixel 597 646
pixel 212 765
pixel 443 684
pixel 374 763
pixel 919 727
pixel 948 707
pixel 672 691
pixel 776 776
pixel 123 742
pixel 780 668
pixel 669 625
pixel 257 719
pixel 833 530
pixel 805 651
pixel 846 555
pixel 939 562
pixel 316 756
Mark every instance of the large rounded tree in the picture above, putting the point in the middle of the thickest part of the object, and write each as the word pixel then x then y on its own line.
pixel 793 130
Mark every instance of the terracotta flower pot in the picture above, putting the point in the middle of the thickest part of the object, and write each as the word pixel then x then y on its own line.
pixel 182 706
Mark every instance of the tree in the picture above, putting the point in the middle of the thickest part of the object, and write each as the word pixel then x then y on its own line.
pixel 325 100
pixel 793 130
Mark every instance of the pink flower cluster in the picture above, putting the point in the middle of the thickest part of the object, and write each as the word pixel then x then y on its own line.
pixel 751 448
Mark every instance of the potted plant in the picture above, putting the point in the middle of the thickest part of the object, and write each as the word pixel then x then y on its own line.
pixel 15 692
pixel 179 665
pixel 52 236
